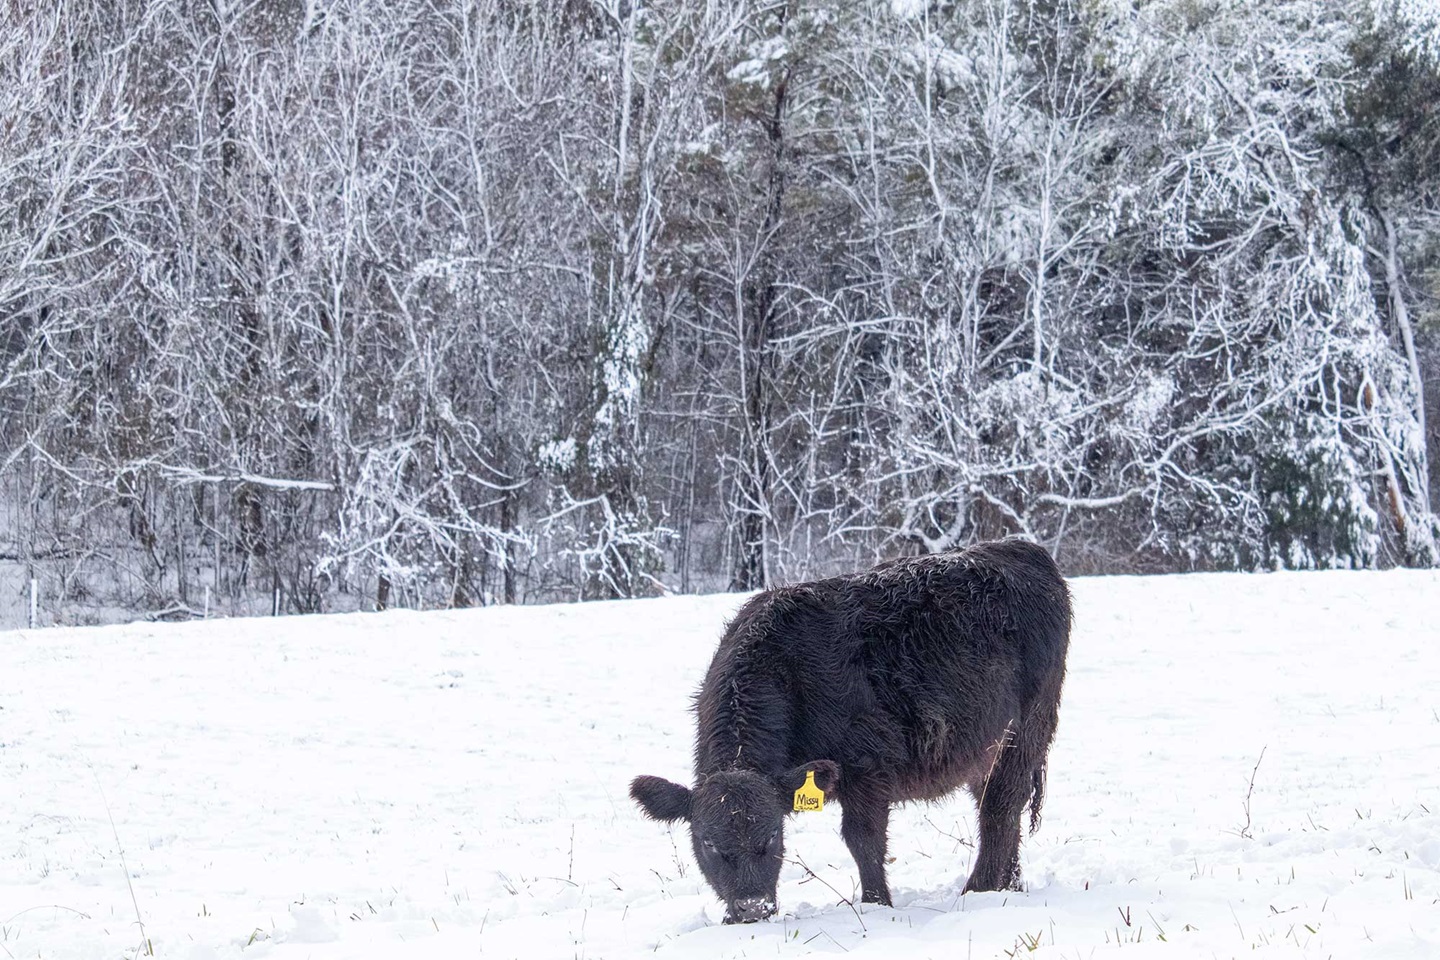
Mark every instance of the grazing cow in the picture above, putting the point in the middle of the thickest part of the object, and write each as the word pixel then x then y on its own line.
pixel 900 683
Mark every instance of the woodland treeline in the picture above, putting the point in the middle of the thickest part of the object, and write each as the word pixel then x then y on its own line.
pixel 448 302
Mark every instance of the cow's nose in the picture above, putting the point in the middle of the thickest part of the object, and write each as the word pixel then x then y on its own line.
pixel 750 909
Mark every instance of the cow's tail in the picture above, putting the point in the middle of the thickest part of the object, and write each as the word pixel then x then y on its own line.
pixel 1038 734
pixel 1037 796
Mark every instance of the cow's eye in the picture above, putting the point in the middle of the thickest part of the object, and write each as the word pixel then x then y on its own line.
pixel 773 837
pixel 708 846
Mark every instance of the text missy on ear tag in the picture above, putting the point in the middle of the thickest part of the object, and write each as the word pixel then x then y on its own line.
pixel 809 797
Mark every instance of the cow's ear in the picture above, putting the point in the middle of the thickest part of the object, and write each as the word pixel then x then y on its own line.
pixel 661 799
pixel 827 775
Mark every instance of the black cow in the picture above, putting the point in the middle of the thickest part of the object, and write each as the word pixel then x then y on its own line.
pixel 900 683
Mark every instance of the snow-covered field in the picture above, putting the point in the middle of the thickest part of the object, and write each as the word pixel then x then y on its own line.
pixel 449 785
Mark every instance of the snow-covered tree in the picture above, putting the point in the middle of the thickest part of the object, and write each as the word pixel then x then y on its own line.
pixel 460 301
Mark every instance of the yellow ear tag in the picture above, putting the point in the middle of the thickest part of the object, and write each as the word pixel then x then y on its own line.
pixel 809 796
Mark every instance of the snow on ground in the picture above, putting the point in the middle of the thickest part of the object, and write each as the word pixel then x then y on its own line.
pixel 449 785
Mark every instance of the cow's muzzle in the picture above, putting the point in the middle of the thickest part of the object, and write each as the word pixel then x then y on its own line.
pixel 750 909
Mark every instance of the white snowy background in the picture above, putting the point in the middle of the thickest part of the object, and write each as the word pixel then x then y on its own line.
pixel 453 784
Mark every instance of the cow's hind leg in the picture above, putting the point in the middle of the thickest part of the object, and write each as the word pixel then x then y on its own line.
pixel 864 820
pixel 1002 797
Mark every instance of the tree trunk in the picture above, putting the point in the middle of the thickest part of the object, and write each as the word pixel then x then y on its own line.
pixel 758 305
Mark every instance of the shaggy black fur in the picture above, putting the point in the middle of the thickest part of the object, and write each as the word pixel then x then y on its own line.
pixel 904 682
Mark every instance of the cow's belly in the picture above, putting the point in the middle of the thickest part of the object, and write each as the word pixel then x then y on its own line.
pixel 945 755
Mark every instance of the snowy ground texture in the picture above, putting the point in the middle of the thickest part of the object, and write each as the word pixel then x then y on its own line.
pixel 449 785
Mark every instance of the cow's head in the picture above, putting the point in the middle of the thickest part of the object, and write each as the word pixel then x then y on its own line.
pixel 737 828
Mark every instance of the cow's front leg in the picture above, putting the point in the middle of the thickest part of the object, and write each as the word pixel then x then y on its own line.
pixel 864 819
